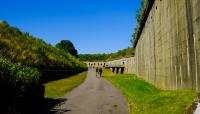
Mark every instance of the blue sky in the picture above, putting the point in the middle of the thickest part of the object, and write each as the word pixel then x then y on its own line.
pixel 94 26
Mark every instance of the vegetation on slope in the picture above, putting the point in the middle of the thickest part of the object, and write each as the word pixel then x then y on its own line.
pixel 58 88
pixel 28 50
pixel 20 86
pixel 104 57
pixel 141 16
pixel 145 98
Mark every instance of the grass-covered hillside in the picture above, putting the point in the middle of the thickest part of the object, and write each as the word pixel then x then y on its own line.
pixel 25 63
pixel 21 47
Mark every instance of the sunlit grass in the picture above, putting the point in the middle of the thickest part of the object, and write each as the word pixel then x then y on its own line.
pixel 58 88
pixel 21 47
pixel 144 98
pixel 108 72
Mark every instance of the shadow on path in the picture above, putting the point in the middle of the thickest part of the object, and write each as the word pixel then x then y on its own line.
pixel 50 106
pixel 95 96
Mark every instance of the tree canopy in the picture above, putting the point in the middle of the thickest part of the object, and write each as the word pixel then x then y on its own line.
pixel 67 46
pixel 128 52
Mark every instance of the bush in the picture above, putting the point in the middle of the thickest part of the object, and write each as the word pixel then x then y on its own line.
pixel 20 86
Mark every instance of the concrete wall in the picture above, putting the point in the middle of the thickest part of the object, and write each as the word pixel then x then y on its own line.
pixel 128 64
pixel 168 51
pixel 95 64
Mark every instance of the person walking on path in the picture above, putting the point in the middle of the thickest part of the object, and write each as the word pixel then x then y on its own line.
pixel 100 72
pixel 97 72
pixel 94 96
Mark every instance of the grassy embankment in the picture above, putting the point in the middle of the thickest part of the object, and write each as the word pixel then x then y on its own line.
pixel 145 98
pixel 58 88
pixel 21 47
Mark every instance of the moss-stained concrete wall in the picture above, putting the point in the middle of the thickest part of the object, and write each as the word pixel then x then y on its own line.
pixel 128 64
pixel 168 51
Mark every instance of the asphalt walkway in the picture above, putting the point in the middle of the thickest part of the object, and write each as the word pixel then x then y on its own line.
pixel 94 96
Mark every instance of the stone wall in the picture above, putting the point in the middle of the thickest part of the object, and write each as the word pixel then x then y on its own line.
pixel 168 51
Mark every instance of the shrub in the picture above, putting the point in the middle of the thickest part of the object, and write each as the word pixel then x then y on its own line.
pixel 20 86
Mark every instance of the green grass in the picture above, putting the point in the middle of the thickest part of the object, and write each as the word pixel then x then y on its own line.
pixel 58 88
pixel 21 47
pixel 144 98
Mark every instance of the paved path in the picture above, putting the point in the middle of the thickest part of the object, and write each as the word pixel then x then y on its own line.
pixel 94 96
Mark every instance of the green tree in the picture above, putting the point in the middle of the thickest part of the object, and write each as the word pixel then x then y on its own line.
pixel 67 46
